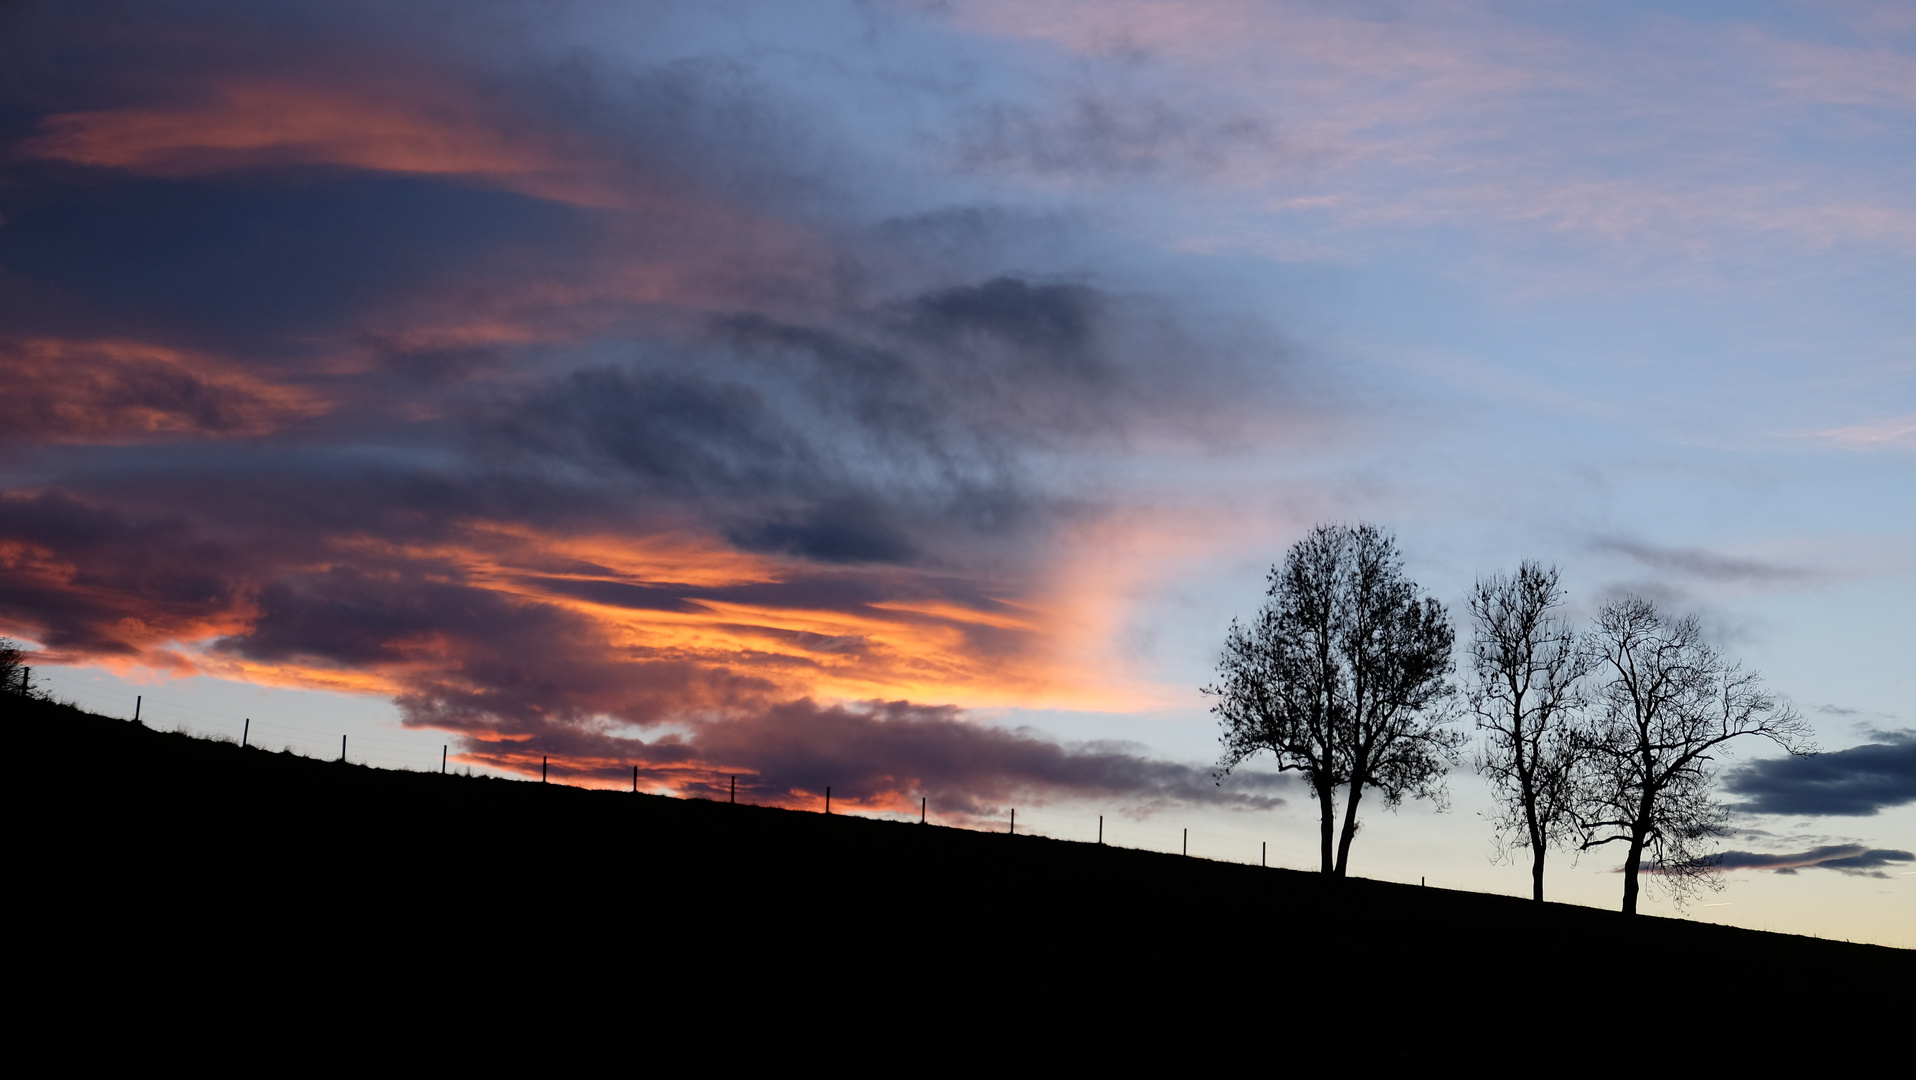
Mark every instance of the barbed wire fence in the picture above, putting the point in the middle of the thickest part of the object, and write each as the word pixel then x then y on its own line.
pixel 1115 828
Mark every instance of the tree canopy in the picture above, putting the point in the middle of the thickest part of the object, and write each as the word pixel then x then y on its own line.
pixel 1526 668
pixel 1343 677
pixel 1666 705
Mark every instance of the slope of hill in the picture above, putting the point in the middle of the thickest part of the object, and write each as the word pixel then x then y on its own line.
pixel 175 872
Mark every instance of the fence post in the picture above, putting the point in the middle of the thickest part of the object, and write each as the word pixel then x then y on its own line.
pixel 1100 829
pixel 136 708
pixel 1014 819
pixel 735 789
pixel 635 779
pixel 922 801
pixel 442 758
pixel 828 798
pixel 542 768
pixel 1187 842
pixel 1263 853
pixel 246 731
pixel 342 748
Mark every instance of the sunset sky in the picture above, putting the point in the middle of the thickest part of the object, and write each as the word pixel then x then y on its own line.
pixel 904 397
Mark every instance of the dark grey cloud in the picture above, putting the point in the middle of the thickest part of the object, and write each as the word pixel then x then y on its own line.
pixel 1856 782
pixel 1701 564
pixel 1110 135
pixel 239 262
pixel 888 755
pixel 893 434
pixel 1846 858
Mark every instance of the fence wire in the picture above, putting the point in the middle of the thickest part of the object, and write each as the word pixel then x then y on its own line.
pixel 1119 828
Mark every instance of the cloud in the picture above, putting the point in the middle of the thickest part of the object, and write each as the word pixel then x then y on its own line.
pixel 1846 858
pixel 1857 782
pixel 569 396
pixel 1698 563
pixel 1377 118
pixel 1894 433
pixel 249 123
pixel 882 756
pixel 1119 137
pixel 96 392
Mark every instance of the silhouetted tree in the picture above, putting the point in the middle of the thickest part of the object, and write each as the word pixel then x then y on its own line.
pixel 1342 677
pixel 1525 668
pixel 12 672
pixel 1666 704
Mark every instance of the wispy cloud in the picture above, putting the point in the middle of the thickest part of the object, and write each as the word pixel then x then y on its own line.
pixel 1844 858
pixel 1702 564
pixel 1469 115
pixel 1895 433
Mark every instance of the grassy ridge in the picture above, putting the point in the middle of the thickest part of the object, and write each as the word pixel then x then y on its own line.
pixel 173 865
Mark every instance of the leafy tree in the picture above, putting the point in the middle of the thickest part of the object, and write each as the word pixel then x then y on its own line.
pixel 1526 667
pixel 1342 677
pixel 1666 706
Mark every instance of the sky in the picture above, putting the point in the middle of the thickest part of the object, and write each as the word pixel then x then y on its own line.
pixel 904 397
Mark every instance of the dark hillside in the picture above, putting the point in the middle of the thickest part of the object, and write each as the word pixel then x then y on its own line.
pixel 162 869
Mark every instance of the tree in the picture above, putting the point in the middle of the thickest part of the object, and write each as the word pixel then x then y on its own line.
pixel 13 675
pixel 1526 667
pixel 1667 705
pixel 1343 677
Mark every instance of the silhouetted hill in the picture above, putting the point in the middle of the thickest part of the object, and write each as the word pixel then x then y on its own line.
pixel 173 873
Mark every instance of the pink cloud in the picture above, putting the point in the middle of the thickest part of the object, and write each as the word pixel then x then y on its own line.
pixel 1894 433
pixel 1455 115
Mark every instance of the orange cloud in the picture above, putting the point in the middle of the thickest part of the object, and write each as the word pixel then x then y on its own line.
pixel 65 391
pixel 404 128
pixel 781 620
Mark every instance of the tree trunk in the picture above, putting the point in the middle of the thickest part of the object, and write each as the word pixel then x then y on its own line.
pixel 1537 843
pixel 1630 867
pixel 1350 829
pixel 1639 836
pixel 1327 820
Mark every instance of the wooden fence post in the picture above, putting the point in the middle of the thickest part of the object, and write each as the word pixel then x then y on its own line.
pixel 542 768
pixel 136 708
pixel 1014 819
pixel 342 748
pixel 635 779
pixel 922 802
pixel 735 789
pixel 828 798
pixel 246 731
pixel 1101 829
pixel 1187 841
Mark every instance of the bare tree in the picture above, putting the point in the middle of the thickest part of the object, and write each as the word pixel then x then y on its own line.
pixel 1666 706
pixel 1342 677
pixel 1526 668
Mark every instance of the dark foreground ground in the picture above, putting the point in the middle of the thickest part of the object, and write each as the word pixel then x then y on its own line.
pixel 175 885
